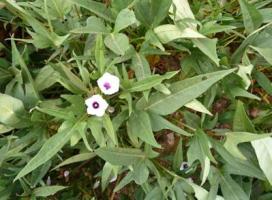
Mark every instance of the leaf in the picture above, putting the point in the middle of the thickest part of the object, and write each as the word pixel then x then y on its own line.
pixel 251 16
pixel 264 82
pixel 107 174
pixel 169 32
pixel 33 95
pixel 159 123
pixel 121 156
pixel 69 80
pixel 202 194
pixel 181 9
pixel 245 73
pixel 107 123
pixel 208 47
pixel 151 12
pixel 4 129
pixel 212 27
pixel 240 92
pixel 117 42
pixel 46 191
pixel 50 147
pixel 140 173
pixel 234 165
pixel 140 66
pixel 46 77
pixel 178 157
pixel 200 150
pixel 241 122
pixel 58 113
pixel 230 189
pixel 265 52
pixel 263 151
pixel 198 106
pixel 94 25
pixel 95 7
pixel 150 82
pixel 140 126
pixel 124 19
pixel 235 138
pixel 11 111
pixel 182 92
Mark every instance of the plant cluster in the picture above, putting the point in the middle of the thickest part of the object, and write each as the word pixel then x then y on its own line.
pixel 136 99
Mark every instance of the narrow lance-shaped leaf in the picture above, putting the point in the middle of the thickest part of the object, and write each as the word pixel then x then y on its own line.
pixel 50 147
pixel 251 16
pixel 182 92
pixel 46 191
pixel 76 158
pixel 140 66
pixel 121 156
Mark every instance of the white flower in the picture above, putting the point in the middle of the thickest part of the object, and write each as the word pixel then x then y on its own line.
pixel 96 105
pixel 108 83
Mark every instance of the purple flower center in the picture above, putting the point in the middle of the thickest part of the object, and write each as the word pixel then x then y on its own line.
pixel 95 105
pixel 107 85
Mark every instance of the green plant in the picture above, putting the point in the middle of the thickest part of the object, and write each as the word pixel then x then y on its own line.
pixel 136 99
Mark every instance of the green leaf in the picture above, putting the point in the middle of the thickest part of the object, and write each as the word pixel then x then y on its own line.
pixel 159 123
pixel 200 150
pixel 150 82
pixel 107 174
pixel 69 80
pixel 51 147
pixel 124 19
pixel 235 138
pixel 263 81
pixel 11 111
pixel 178 158
pixel 117 42
pixel 230 189
pixel 151 12
pixel 234 165
pixel 245 73
pixel 241 122
pixel 263 151
pixel 208 47
pixel 121 156
pixel 251 16
pixel 182 92
pixel 265 52
pixel 198 106
pixel 212 27
pixel 107 123
pixel 140 126
pixel 56 112
pixel 46 191
pixel 94 25
pixel 33 95
pixel 140 66
pixel 46 77
pixel 140 173
pixel 77 158
pixel 169 32
pixel 181 9
pixel 95 7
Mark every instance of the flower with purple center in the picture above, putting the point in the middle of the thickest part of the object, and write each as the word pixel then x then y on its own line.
pixel 96 105
pixel 108 83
